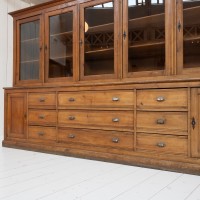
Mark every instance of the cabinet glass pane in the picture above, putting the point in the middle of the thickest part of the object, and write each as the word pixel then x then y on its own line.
pixel 146 33
pixel 29 50
pixel 99 39
pixel 191 33
pixel 61 45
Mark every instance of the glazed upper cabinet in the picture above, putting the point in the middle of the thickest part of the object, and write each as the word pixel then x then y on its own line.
pixel 105 39
pixel 60 48
pixel 144 36
pixel 99 38
pixel 188 36
pixel 29 54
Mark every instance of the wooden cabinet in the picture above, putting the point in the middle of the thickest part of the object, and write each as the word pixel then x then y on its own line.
pixel 112 80
pixel 16 115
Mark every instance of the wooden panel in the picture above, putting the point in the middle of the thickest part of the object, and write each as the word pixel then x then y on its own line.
pixel 104 119
pixel 162 99
pixel 16 115
pixel 42 99
pixel 42 117
pixel 107 98
pixel 162 122
pixel 42 133
pixel 162 143
pixel 195 121
pixel 97 138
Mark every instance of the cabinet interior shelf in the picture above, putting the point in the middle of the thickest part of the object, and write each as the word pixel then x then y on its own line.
pixel 61 57
pixel 30 40
pixel 29 61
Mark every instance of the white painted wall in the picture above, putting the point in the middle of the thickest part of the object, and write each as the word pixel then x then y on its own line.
pixel 6 49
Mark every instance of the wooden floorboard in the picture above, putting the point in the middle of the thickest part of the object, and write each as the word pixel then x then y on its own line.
pixel 26 175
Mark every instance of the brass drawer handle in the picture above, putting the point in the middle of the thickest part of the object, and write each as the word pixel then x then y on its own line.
pixel 71 136
pixel 161 144
pixel 160 121
pixel 160 99
pixel 115 140
pixel 41 133
pixel 41 116
pixel 71 118
pixel 42 99
pixel 115 99
pixel 115 119
pixel 71 99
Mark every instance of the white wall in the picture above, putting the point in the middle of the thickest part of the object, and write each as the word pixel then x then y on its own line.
pixel 6 50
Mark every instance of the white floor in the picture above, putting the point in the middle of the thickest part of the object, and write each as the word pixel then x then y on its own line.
pixel 26 175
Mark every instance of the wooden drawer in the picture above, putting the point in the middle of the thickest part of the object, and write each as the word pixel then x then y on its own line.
pixel 112 139
pixel 167 99
pixel 42 117
pixel 42 133
pixel 105 119
pixel 162 143
pixel 162 122
pixel 102 99
pixel 41 99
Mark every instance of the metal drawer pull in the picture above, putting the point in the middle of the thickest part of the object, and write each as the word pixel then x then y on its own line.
pixel 161 144
pixel 42 99
pixel 160 99
pixel 115 119
pixel 71 99
pixel 71 118
pixel 71 136
pixel 41 133
pixel 116 99
pixel 160 121
pixel 115 140
pixel 41 116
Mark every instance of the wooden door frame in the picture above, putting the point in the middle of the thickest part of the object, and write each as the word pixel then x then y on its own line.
pixel 48 80
pixel 170 48
pixel 117 37
pixel 16 74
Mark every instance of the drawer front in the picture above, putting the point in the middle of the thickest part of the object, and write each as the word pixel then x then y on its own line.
pixel 97 138
pixel 111 119
pixel 42 133
pixel 162 143
pixel 162 99
pixel 42 99
pixel 42 117
pixel 162 122
pixel 107 98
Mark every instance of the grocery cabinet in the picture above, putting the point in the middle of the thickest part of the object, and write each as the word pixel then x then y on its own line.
pixel 110 80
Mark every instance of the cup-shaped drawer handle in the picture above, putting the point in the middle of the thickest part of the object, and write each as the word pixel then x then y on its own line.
pixel 161 144
pixel 41 99
pixel 160 121
pixel 71 118
pixel 41 133
pixel 71 136
pixel 41 116
pixel 115 99
pixel 115 140
pixel 160 99
pixel 71 99
pixel 115 119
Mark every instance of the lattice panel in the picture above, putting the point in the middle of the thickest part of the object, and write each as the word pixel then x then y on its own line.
pixel 136 35
pixel 191 31
pixel 99 40
pixel 159 33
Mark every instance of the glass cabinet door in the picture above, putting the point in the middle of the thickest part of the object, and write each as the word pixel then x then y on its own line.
pixel 143 37
pixel 60 49
pixel 30 50
pixel 188 36
pixel 98 40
